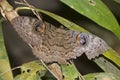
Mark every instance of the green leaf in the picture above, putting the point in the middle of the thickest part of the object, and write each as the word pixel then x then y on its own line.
pixel 5 73
pixel 71 73
pixel 118 1
pixel 97 11
pixel 28 76
pixel 63 21
pixel 31 71
pixel 101 76
pixel 107 66
pixel 113 56
pixel 34 66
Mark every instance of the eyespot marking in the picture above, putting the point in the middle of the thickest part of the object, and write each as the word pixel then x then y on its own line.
pixel 39 27
pixel 81 38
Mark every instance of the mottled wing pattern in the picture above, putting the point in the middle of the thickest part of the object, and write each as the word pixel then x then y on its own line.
pixel 93 48
pixel 57 45
pixel 24 27
pixel 52 44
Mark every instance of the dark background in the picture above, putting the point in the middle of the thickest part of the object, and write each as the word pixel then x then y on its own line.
pixel 19 52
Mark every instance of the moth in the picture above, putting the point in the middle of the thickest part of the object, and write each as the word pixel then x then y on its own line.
pixel 51 44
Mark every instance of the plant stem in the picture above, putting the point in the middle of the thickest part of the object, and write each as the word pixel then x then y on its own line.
pixel 7 10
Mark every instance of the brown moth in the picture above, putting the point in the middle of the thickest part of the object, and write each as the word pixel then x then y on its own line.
pixel 52 44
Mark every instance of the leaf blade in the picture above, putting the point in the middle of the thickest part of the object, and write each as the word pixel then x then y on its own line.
pixel 97 11
pixel 118 1
pixel 107 66
pixel 113 55
pixel 101 76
